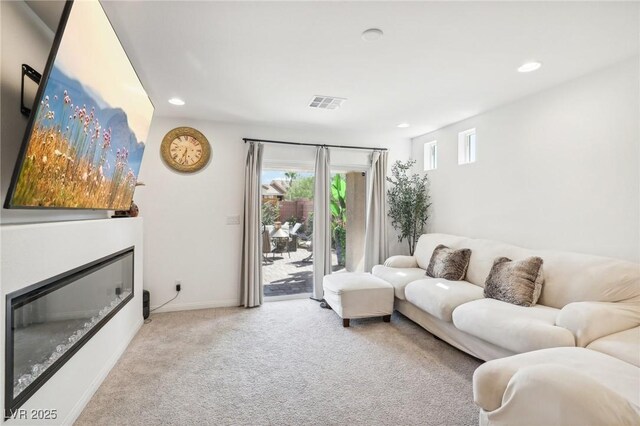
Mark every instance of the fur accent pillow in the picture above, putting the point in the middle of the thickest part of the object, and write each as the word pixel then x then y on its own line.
pixel 449 263
pixel 517 282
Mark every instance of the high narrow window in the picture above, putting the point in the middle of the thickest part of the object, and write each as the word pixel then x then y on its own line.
pixel 430 155
pixel 467 146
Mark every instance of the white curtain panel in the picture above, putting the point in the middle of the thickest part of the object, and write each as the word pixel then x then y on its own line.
pixel 321 222
pixel 251 276
pixel 376 248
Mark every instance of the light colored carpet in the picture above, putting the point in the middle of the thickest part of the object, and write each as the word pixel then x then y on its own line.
pixel 284 363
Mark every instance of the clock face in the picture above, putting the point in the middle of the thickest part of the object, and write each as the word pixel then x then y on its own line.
pixel 185 149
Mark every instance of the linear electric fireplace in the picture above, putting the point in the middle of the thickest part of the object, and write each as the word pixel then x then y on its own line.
pixel 48 322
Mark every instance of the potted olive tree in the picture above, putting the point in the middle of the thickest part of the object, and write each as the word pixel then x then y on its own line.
pixel 408 199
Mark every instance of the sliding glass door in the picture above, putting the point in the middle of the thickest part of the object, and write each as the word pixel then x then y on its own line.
pixel 287 228
pixel 288 187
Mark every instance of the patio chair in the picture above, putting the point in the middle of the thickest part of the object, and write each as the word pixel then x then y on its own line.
pixel 293 237
pixel 266 244
pixel 295 229
pixel 303 237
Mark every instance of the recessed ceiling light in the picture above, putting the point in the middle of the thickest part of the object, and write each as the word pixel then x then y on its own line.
pixel 176 101
pixel 529 66
pixel 372 34
pixel 403 125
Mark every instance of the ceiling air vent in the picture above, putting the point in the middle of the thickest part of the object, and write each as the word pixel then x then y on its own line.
pixel 326 102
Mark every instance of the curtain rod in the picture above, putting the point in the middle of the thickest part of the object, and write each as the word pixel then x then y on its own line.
pixel 313 144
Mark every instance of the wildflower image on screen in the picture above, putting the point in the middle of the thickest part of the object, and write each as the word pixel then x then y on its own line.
pixel 90 125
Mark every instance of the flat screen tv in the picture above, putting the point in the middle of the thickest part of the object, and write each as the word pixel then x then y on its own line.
pixel 88 126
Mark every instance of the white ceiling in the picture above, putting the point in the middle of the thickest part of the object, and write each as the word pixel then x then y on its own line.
pixel 438 62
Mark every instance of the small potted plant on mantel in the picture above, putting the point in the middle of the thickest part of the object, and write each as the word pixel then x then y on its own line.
pixel 133 210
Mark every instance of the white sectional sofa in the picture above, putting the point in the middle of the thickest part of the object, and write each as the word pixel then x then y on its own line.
pixel 574 358
pixel 584 299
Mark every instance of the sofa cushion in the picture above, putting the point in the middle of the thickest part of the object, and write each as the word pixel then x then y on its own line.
pixel 485 253
pixel 439 297
pixel 590 321
pixel 400 261
pixel 398 277
pixel 491 379
pixel 518 282
pixel 427 243
pixel 624 345
pixel 517 328
pixel 572 277
pixel 448 263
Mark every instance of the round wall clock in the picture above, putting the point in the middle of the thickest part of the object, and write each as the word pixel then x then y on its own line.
pixel 185 149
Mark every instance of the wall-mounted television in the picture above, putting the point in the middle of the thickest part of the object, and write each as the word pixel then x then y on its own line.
pixel 87 130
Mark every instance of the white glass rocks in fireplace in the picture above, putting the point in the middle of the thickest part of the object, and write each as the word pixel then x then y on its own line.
pixel 37 369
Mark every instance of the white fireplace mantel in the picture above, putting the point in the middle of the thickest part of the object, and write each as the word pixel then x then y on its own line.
pixel 31 253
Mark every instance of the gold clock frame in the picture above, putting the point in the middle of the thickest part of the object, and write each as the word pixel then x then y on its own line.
pixel 185 131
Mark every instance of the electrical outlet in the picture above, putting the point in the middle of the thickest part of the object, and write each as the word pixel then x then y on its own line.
pixel 178 285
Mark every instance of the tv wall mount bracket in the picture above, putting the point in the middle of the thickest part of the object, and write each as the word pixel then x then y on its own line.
pixel 34 76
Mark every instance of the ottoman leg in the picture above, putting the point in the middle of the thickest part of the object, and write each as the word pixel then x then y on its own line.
pixel 345 322
pixel 386 318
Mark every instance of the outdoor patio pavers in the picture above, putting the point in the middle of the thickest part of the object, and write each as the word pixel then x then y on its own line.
pixel 286 275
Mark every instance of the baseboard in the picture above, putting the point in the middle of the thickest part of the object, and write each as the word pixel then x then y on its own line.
pixel 189 306
pixel 86 397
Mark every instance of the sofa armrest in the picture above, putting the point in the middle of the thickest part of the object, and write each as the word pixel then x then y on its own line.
pixel 589 321
pixel 568 396
pixel 401 262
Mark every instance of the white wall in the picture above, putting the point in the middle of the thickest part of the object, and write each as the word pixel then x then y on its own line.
pixel 34 252
pixel 186 236
pixel 25 39
pixel 555 170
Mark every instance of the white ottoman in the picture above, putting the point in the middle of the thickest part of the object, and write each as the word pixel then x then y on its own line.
pixel 358 295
